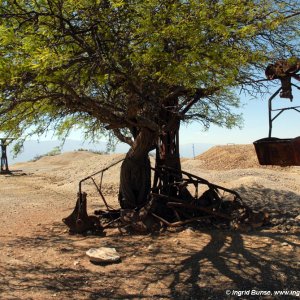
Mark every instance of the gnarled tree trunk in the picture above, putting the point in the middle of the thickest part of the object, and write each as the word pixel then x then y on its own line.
pixel 167 155
pixel 135 177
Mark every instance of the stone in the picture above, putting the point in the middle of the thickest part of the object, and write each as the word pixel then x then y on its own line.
pixel 65 249
pixel 151 248
pixel 103 255
pixel 275 221
pixel 76 263
pixel 188 231
pixel 176 241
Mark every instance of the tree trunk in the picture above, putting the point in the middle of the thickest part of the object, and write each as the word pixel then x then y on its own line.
pixel 135 177
pixel 167 155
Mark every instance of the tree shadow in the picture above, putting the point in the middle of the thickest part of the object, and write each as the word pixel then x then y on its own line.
pixel 256 269
pixel 261 268
pixel 187 264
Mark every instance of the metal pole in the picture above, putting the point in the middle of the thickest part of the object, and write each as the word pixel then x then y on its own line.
pixel 194 150
pixel 4 163
pixel 270 111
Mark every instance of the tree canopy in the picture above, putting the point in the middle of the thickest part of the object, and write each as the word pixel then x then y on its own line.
pixel 110 65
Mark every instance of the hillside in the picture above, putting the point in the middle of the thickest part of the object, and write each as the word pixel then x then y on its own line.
pixel 228 157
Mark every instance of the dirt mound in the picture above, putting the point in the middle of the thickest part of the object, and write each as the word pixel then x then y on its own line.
pixel 228 157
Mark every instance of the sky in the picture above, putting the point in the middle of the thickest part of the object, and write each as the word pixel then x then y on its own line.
pixel 255 125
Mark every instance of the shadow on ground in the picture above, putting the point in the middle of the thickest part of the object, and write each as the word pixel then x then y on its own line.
pixel 185 264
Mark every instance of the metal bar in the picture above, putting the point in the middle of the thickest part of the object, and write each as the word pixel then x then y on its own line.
pixel 102 196
pixel 179 223
pixel 103 170
pixel 111 222
pixel 270 110
pixel 203 181
pixel 203 209
pixel 176 214
pixel 281 110
pixel 91 177
pixel 296 86
pixel 277 115
pixel 100 183
pixel 286 108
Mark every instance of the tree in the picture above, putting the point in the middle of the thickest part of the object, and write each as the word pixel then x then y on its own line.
pixel 135 70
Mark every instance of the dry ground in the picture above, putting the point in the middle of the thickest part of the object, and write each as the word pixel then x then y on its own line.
pixel 40 260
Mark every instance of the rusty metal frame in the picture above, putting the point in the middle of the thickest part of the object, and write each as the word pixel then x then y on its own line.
pixel 177 203
pixel 185 209
pixel 99 186
pixel 279 110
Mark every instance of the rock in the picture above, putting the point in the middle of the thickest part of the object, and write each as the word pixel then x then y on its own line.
pixel 284 244
pixel 151 248
pixel 103 254
pixel 176 241
pixel 275 221
pixel 297 218
pixel 288 227
pixel 65 249
pixel 76 263
pixel 188 231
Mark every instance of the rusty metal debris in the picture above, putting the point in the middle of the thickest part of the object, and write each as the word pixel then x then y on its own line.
pixel 280 152
pixel 190 199
pixel 284 70
pixel 79 221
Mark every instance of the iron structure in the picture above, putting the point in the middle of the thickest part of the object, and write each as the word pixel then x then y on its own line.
pixel 4 162
pixel 186 199
pixel 272 150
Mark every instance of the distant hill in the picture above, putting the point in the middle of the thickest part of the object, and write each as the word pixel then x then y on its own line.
pixel 35 148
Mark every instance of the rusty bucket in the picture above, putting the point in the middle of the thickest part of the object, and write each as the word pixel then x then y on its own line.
pixel 279 152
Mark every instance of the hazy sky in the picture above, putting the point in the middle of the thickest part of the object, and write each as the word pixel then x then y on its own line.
pixel 255 126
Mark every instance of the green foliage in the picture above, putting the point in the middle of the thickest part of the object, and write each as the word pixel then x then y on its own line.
pixel 55 151
pixel 100 152
pixel 96 64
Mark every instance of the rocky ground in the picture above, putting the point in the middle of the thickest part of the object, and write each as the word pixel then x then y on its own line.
pixel 40 260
